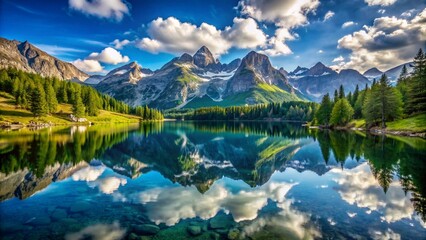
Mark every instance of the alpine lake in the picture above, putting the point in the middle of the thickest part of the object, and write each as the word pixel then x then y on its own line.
pixel 210 180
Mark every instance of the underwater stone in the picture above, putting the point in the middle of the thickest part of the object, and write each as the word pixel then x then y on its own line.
pixel 233 234
pixel 214 236
pixel 69 221
pixel 59 214
pixel 133 236
pixel 79 207
pixel 194 230
pixel 222 231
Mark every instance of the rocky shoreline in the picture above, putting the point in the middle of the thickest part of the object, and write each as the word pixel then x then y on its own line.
pixel 378 131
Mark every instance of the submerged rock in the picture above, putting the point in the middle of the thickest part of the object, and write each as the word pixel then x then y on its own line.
pixel 79 207
pixel 133 236
pixel 59 214
pixel 221 222
pixel 146 229
pixel 194 230
pixel 39 221
pixel 214 236
pixel 233 234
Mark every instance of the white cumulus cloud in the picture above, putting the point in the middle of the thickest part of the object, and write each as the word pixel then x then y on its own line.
pixel 328 15
pixel 359 187
pixel 176 37
pixel 108 185
pixel 245 33
pixel 120 44
pixel 380 2
pixel 285 15
pixel 348 24
pixel 109 55
pixel 390 41
pixel 339 59
pixel 169 205
pixel 89 66
pixel 112 9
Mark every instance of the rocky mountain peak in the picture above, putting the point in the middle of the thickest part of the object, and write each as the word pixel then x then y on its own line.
pixel 27 57
pixel 283 71
pixel 299 70
pixel 232 65
pixel 255 68
pixel 373 72
pixel 186 58
pixel 203 57
pixel 125 68
pixel 256 60
pixel 319 69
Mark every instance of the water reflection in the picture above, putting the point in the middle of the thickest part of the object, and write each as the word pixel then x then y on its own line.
pixel 208 180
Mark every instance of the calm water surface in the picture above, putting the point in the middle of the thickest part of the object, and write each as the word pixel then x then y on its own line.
pixel 207 180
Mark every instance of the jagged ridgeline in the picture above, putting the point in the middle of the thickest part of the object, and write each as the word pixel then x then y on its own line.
pixel 41 95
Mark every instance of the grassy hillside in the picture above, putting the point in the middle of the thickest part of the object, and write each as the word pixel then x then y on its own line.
pixel 263 93
pixel 413 124
pixel 9 113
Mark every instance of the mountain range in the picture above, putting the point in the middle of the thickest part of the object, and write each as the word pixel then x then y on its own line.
pixel 25 56
pixel 199 80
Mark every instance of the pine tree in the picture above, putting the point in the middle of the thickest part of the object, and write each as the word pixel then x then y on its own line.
pixel 38 105
pixel 359 104
pixel 324 112
pixel 342 113
pixel 404 74
pixel 145 115
pixel 402 85
pixel 416 97
pixel 336 96
pixel 341 92
pixel 355 96
pixel 52 102
pixel 92 104
pixel 383 103
pixel 78 108
pixel 349 97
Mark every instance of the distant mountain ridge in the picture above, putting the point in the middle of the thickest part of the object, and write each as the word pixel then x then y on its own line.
pixel 25 56
pixel 319 80
pixel 199 80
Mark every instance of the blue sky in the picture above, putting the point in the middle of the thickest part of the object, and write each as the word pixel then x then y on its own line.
pixel 383 33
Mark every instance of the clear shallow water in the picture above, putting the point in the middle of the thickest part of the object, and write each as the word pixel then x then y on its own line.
pixel 210 181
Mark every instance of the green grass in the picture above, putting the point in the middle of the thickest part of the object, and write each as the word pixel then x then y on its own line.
pixel 9 113
pixel 263 93
pixel 358 123
pixel 187 77
pixel 270 88
pixel 413 124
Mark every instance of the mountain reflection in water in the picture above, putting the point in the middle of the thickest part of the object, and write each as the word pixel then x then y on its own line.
pixel 210 180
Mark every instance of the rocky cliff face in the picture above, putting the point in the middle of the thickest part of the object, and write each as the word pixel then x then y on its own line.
pixel 318 70
pixel 25 56
pixel 255 69
pixel 203 57
pixel 320 80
